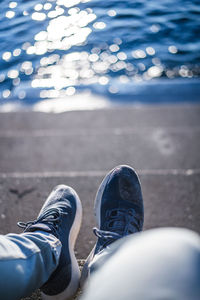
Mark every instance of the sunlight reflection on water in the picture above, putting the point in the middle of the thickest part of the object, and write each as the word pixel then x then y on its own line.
pixel 76 44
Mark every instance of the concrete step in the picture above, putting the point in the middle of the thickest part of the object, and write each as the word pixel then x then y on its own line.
pixel 124 117
pixel 170 199
pixel 101 150
pixel 162 137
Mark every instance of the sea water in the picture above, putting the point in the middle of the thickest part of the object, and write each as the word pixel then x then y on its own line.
pixel 142 51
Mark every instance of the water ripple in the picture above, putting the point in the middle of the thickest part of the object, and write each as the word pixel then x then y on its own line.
pixel 52 49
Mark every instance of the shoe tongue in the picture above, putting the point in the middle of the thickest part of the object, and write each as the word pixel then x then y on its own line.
pixel 39 226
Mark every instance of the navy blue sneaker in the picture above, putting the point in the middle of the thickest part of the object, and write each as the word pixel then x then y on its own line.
pixel 61 216
pixel 118 210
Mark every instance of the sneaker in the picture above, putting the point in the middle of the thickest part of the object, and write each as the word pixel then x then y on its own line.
pixel 118 210
pixel 61 216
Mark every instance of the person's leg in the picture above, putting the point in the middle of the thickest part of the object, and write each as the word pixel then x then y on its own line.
pixel 155 265
pixel 26 262
pixel 43 256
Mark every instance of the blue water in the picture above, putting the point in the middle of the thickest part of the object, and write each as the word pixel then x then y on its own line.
pixel 142 50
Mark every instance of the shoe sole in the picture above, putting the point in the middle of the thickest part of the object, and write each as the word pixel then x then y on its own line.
pixel 97 205
pixel 72 288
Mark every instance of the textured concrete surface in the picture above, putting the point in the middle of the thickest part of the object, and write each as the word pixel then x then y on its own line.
pixel 147 138
pixel 39 151
pixel 157 148
pixel 169 200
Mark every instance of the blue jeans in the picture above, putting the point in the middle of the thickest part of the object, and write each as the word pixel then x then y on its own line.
pixel 159 264
pixel 26 262
pixel 156 264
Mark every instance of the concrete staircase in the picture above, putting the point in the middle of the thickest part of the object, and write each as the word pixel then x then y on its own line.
pixel 39 151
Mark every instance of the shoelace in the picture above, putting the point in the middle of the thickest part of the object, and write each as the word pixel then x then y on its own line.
pixel 120 222
pixel 51 217
pixel 106 234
